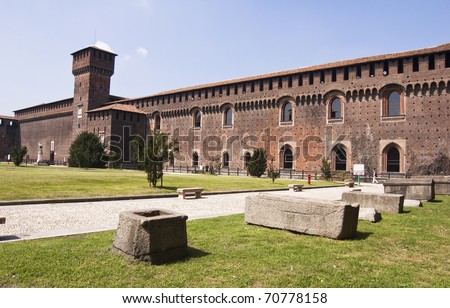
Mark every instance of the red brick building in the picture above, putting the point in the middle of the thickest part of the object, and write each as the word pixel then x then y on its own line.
pixel 390 111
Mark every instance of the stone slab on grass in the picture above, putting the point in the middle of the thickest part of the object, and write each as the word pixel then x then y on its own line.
pixel 417 189
pixel 311 216
pixel 381 202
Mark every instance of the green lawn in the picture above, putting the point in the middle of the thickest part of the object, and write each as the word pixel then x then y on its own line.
pixel 403 250
pixel 32 182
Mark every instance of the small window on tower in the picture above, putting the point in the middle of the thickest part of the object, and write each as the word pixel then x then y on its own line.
pixel 386 68
pixel 358 71
pixel 431 64
pixel 415 64
pixel 400 66
pixel 300 80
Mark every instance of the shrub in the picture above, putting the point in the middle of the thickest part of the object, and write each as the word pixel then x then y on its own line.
pixel 258 163
pixel 18 154
pixel 87 151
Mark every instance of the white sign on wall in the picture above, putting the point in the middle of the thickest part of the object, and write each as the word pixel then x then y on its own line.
pixel 358 169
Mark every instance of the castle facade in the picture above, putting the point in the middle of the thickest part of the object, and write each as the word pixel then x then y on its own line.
pixel 390 112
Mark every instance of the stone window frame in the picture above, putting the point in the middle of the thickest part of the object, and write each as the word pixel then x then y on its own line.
pixel 282 103
pixel 156 122
pixel 195 123
pixel 385 93
pixel 227 116
pixel 286 119
pixel 331 119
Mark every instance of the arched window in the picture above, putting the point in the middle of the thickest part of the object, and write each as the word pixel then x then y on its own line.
pixel 393 104
pixel 197 119
pixel 195 159
pixel 247 158
pixel 157 125
pixel 286 115
pixel 340 158
pixel 393 160
pixel 226 159
pixel 335 109
pixel 228 117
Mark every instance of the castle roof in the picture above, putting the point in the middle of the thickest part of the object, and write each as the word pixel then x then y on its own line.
pixel 120 107
pixel 384 57
pixel 8 118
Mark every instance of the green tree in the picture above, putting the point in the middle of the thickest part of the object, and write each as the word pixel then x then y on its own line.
pixel 272 172
pixel 157 152
pixel 326 169
pixel 86 151
pixel 258 163
pixel 17 155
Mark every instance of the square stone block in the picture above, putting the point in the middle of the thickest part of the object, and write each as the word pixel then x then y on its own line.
pixel 156 236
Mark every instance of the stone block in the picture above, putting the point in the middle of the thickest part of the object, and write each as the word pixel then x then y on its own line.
pixel 381 202
pixel 295 187
pixel 369 214
pixel 156 236
pixel 441 183
pixel 416 189
pixel 316 217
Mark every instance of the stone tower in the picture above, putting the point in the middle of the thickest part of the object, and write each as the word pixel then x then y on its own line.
pixel 92 68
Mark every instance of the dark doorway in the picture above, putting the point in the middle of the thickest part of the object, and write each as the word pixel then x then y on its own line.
pixel 393 160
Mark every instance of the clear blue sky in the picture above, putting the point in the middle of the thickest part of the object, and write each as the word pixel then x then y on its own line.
pixel 168 44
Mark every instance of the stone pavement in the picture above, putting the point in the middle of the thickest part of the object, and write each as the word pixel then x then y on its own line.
pixel 49 220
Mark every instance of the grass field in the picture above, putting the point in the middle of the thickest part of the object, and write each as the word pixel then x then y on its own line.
pixel 32 182
pixel 403 250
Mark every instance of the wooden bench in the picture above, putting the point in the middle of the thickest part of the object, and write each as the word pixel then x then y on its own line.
pixel 195 191
pixel 295 187
pixel 2 220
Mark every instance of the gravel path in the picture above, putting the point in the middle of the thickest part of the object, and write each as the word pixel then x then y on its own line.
pixel 48 220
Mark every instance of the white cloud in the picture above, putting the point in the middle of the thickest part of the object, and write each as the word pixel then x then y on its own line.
pixel 126 58
pixel 143 52
pixel 103 45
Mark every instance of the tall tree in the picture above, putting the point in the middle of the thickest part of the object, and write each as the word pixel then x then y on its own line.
pixel 157 152
pixel 326 169
pixel 86 151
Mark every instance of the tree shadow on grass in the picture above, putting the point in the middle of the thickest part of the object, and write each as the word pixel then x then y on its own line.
pixel 435 201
